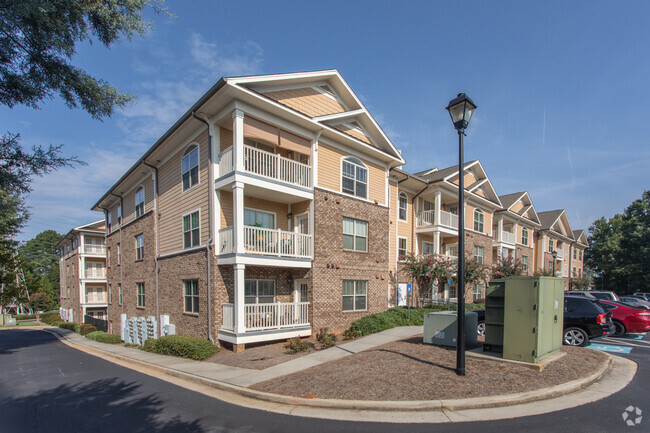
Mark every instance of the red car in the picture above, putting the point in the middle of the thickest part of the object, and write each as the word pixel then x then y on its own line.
pixel 626 318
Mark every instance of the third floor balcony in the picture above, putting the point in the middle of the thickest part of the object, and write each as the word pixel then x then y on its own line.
pixel 427 218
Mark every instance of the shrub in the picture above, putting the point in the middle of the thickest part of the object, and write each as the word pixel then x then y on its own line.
pixel 50 317
pixel 103 337
pixel 326 338
pixel 24 316
pixel 70 326
pixel 182 346
pixel 294 345
pixel 87 328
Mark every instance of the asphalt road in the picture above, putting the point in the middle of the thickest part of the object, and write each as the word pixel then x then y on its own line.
pixel 46 386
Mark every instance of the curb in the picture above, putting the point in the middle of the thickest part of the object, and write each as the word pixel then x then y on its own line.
pixel 418 405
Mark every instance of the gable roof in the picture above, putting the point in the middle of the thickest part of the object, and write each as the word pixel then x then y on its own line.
pixel 436 175
pixel 509 199
pixel 527 211
pixel 581 237
pixel 550 220
pixel 97 227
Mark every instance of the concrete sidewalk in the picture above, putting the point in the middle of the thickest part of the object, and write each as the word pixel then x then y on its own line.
pixel 238 376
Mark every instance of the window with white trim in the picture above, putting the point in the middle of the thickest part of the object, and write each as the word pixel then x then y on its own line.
pixel 139 202
pixel 140 294
pixel 119 293
pixel 580 255
pixel 355 294
pixel 119 214
pixel 190 167
pixel 354 178
pixel 401 248
pixel 191 230
pixel 478 254
pixel 139 247
pixel 427 248
pixel 479 220
pixel 550 266
pixel 258 218
pixel 575 254
pixel 355 235
pixel 524 263
pixel 524 236
pixel 119 254
pixel 477 293
pixel 403 206
pixel 191 296
pixel 259 291
pixel 550 245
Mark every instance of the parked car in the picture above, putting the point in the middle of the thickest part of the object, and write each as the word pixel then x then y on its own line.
pixel 642 295
pixel 584 320
pixel 627 318
pixel 579 294
pixel 598 294
pixel 635 301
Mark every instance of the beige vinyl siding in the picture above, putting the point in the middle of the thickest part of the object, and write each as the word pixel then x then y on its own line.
pixel 113 211
pixel 225 136
pixel 174 203
pixel 128 211
pixel 469 218
pixel 329 173
pixel 518 206
pixel 226 204
pixel 469 180
pixel 279 209
pixel 353 133
pixel 404 228
pixel 308 101
pixel 300 209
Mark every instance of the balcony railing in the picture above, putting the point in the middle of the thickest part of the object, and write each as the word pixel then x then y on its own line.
pixel 226 241
pixel 94 249
pixel 267 164
pixel 273 242
pixel 560 253
pixel 507 237
pixel 96 298
pixel 261 317
pixel 93 273
pixel 427 218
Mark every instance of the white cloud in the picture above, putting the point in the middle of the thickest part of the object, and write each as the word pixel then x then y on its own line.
pixel 226 59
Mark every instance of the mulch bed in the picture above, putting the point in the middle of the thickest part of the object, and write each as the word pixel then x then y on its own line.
pixel 410 370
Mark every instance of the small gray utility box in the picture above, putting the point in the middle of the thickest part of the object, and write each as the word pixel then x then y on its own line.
pixel 440 328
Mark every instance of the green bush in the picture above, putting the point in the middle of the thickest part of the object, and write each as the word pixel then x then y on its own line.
pixel 103 337
pixel 326 338
pixel 182 346
pixel 294 345
pixel 24 316
pixel 50 317
pixel 87 329
pixel 71 326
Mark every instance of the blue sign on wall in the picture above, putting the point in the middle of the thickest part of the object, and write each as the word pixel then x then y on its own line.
pixel 408 288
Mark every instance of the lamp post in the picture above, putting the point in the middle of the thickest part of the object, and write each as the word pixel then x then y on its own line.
pixel 461 109
pixel 554 254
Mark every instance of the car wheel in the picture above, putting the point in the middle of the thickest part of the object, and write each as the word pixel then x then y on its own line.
pixel 619 329
pixel 480 329
pixel 575 337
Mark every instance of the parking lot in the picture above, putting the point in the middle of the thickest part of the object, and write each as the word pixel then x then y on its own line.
pixel 628 343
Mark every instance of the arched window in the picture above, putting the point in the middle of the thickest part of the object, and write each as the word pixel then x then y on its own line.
pixel 354 178
pixel 479 220
pixel 403 206
pixel 139 202
pixel 524 236
pixel 190 167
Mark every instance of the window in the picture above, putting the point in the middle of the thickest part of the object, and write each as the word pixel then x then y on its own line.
pixel 355 178
pixel 259 291
pixel 355 235
pixel 478 292
pixel 427 248
pixel 119 254
pixel 428 205
pixel 524 236
pixel 139 247
pixel 354 295
pixel 550 266
pixel 524 263
pixel 257 218
pixel 580 272
pixel 109 220
pixel 401 248
pixel 191 230
pixel 140 292
pixel 108 257
pixel 190 167
pixel 575 254
pixel 479 219
pixel 110 294
pixel 575 273
pixel 580 254
pixel 191 296
pixel 478 254
pixel 119 293
pixel 119 214
pixel 139 202
pixel 453 210
pixel 550 245
pixel 451 290
pixel 403 206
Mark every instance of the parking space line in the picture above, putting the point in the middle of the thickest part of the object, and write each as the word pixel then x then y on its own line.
pixel 609 348
pixel 607 340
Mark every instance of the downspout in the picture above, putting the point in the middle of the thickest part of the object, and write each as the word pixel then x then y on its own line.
pixel 119 252
pixel 572 244
pixel 413 243
pixel 209 243
pixel 156 232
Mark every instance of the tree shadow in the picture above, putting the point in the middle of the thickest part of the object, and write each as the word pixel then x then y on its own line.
pixel 13 339
pixel 107 405
pixel 423 361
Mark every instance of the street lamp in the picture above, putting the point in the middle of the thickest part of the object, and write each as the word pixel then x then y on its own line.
pixel 554 254
pixel 461 109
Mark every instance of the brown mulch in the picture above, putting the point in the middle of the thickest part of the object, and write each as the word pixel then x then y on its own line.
pixel 410 370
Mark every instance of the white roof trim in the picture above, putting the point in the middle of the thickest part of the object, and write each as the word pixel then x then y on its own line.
pixel 337 116
pixel 448 178
pixel 478 185
pixel 518 198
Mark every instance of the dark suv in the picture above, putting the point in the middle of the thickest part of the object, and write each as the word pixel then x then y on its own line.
pixel 585 319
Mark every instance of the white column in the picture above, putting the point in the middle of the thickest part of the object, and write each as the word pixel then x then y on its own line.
pixel 314 158
pixel 215 132
pixel 82 242
pixel 436 242
pixel 238 214
pixel 240 323
pixel 500 229
pixel 438 204
pixel 238 140
pixel 515 227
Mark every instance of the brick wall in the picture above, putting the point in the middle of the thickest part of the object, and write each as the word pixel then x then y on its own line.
pixel 528 252
pixel 70 286
pixel 475 239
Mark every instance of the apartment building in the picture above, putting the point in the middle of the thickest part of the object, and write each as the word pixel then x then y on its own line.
pixel 262 214
pixel 82 273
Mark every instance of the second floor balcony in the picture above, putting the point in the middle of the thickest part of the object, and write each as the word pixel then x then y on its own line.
pixel 95 273
pixel 446 219
pixel 267 165
pixel 268 242
pixel 505 237
pixel 96 297
pixel 94 249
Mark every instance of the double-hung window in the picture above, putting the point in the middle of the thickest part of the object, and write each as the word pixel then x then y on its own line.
pixel 477 292
pixel 140 293
pixel 524 236
pixel 191 296
pixel 191 230
pixel 259 291
pixel 479 220
pixel 478 254
pixel 403 206
pixel 139 202
pixel 139 247
pixel 355 235
pixel 524 263
pixel 550 245
pixel 427 248
pixel 401 248
pixel 190 167
pixel 355 294
pixel 258 218
pixel 355 178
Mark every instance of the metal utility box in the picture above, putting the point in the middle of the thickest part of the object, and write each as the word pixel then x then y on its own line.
pixel 440 328
pixel 524 317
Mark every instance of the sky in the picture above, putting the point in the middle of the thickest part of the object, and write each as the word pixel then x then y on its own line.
pixel 560 89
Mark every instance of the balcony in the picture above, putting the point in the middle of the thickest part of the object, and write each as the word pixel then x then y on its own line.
pixel 95 273
pixel 267 165
pixel 97 297
pixel 263 317
pixel 427 218
pixel 94 249
pixel 507 237
pixel 269 242
pixel 560 253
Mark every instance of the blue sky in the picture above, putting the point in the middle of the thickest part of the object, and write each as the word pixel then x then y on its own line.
pixel 560 89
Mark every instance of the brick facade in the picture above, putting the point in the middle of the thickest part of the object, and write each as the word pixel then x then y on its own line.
pixel 521 251
pixel 69 284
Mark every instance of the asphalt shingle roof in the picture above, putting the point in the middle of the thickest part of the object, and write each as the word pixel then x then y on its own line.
pixel 510 199
pixel 546 219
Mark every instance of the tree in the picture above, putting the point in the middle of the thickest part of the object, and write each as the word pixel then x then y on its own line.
pixel 40 302
pixel 426 270
pixel 41 264
pixel 507 267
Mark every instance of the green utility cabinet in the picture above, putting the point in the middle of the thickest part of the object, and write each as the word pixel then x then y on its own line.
pixel 524 317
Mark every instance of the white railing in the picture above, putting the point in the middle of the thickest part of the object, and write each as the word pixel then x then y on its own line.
pixel 277 167
pixel 95 273
pixel 228 317
pixel 224 159
pixel 560 253
pixel 426 218
pixel 446 257
pixel 258 240
pixel 96 297
pixel 448 219
pixel 507 237
pixel 226 240
pixel 94 249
